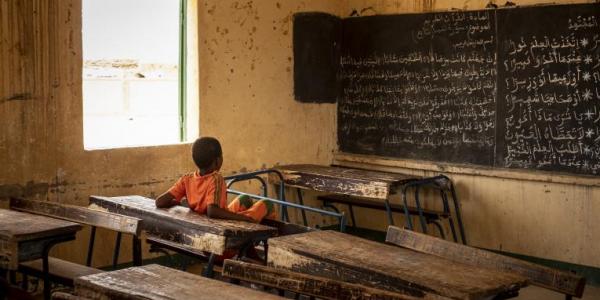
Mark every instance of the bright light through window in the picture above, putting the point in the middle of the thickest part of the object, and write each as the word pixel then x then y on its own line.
pixel 131 73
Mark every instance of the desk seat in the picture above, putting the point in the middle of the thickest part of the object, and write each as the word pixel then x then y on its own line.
pixel 60 271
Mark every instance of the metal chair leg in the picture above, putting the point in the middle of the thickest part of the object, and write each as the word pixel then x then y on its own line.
pixel 408 221
pixel 458 215
pixel 91 247
pixel 209 269
pixel 352 215
pixel 116 251
pixel 439 227
pixel 447 210
pixel 301 202
pixel 420 210
pixel 137 251
pixel 388 210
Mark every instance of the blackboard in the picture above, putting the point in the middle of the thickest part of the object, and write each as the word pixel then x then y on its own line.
pixel 316 52
pixel 549 88
pixel 419 86
pixel 507 88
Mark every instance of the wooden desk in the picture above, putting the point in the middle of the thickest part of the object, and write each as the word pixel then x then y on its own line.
pixel 347 258
pixel 340 180
pixel 180 229
pixel 371 189
pixel 181 225
pixel 25 237
pixel 158 282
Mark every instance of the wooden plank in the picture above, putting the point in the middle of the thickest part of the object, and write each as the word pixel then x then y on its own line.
pixel 158 283
pixel 373 204
pixel 347 181
pixel 183 226
pixel 64 270
pixel 553 279
pixel 320 287
pixel 348 258
pixel 66 296
pixel 78 214
pixel 21 226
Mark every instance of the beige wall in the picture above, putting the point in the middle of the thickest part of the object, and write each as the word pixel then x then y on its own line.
pixel 246 100
pixel 245 96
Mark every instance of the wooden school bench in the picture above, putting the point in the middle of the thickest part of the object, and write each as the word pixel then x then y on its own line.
pixel 62 271
pixel 351 259
pixel 560 281
pixel 157 283
pixel 372 189
pixel 310 285
pixel 26 237
pixel 184 231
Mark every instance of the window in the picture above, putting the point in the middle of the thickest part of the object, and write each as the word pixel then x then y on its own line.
pixel 135 75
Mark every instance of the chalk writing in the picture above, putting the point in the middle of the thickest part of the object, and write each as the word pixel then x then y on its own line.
pixel 434 95
pixel 551 97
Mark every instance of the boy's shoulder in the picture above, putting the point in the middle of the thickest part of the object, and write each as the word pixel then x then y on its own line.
pixel 216 176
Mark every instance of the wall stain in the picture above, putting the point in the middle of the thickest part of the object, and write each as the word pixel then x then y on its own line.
pixel 29 189
pixel 18 97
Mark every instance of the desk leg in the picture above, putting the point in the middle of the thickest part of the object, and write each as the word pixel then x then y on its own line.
pixel 301 202
pixel 208 271
pixel 420 210
pixel 388 210
pixel 458 215
pixel 45 276
pixel 284 214
pixel 408 221
pixel 117 250
pixel 266 249
pixel 90 253
pixel 137 251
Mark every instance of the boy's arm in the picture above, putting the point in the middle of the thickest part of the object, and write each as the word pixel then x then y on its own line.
pixel 165 200
pixel 214 211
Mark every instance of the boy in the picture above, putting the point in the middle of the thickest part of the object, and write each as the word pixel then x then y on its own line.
pixel 206 191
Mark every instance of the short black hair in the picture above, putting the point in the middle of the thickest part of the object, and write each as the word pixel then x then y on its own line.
pixel 205 151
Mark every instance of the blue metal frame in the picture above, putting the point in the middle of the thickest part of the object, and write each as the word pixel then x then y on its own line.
pixel 340 216
pixel 434 183
pixel 254 175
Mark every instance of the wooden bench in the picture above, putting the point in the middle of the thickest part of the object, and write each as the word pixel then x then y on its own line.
pixel 350 259
pixel 62 271
pixel 66 296
pixel 560 281
pixel 431 216
pixel 157 283
pixel 315 286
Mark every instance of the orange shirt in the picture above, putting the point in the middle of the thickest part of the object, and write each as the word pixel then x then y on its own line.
pixel 201 190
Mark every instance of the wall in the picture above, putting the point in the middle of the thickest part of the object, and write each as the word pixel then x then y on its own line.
pixel 532 213
pixel 245 100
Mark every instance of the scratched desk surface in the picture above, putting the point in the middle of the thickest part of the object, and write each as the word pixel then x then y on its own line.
pixel 348 258
pixel 20 226
pixel 341 180
pixel 22 232
pixel 181 225
pixel 158 282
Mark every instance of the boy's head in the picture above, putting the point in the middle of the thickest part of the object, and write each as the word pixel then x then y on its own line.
pixel 207 154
